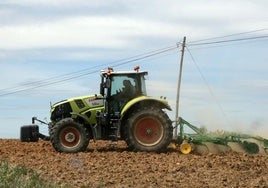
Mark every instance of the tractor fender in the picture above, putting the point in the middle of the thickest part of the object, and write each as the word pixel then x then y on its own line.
pixel 85 118
pixel 145 100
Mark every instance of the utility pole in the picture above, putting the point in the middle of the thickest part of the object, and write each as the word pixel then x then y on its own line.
pixel 178 89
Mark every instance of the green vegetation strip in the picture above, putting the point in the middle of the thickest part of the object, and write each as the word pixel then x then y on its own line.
pixel 20 177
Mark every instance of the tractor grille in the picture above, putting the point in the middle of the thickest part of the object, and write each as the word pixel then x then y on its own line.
pixel 61 111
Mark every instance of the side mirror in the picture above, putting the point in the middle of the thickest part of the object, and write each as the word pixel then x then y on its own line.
pixel 102 89
pixel 107 83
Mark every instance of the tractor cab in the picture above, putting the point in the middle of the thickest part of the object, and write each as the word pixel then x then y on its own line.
pixel 120 87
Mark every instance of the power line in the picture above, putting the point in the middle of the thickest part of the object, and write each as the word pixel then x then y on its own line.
pixel 47 84
pixel 147 56
pixel 231 35
pixel 206 83
pixel 116 64
pixel 65 76
pixel 227 41
pixel 43 81
pixel 220 45
pixel 80 73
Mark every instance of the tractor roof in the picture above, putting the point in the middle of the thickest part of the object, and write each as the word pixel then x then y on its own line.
pixel 110 71
pixel 128 72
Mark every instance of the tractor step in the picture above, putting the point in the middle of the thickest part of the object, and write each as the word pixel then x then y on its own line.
pixel 113 137
pixel 114 129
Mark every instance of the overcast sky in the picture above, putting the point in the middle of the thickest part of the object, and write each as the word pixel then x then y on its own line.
pixel 46 43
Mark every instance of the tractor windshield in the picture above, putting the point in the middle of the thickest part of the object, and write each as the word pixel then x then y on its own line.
pixel 125 87
pixel 129 86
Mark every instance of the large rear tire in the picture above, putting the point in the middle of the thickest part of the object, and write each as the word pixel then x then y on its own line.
pixel 69 136
pixel 148 129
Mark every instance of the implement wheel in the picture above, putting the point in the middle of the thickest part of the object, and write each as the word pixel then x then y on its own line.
pixel 185 148
pixel 148 129
pixel 69 136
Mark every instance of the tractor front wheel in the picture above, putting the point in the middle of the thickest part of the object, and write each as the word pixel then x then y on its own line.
pixel 69 136
pixel 148 129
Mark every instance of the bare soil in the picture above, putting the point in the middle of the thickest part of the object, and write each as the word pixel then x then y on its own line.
pixel 103 165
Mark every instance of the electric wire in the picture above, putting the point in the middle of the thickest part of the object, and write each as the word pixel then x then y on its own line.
pixel 65 76
pixel 146 56
pixel 231 35
pixel 220 45
pixel 33 83
pixel 207 84
pixel 230 40
pixel 47 84
pixel 80 73
pixel 115 64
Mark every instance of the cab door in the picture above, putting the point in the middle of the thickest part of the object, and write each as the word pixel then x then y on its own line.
pixel 123 89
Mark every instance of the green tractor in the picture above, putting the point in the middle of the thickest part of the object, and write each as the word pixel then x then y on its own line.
pixel 122 111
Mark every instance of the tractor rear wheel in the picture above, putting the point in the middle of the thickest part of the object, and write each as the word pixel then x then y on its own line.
pixel 69 136
pixel 148 129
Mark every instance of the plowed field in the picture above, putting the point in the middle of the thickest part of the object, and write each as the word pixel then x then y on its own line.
pixel 105 166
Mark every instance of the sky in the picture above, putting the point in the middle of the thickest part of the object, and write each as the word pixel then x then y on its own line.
pixel 54 50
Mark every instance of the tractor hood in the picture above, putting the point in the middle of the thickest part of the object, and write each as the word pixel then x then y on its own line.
pixel 86 100
pixel 80 104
